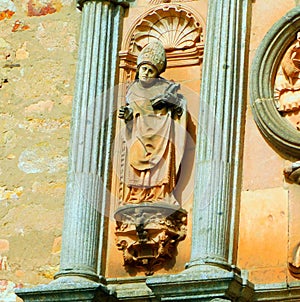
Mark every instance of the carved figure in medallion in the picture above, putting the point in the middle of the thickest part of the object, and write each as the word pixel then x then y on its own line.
pixel 287 84
pixel 155 117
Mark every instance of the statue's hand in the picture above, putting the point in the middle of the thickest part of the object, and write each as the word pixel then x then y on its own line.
pixel 167 100
pixel 158 102
pixel 125 113
pixel 172 99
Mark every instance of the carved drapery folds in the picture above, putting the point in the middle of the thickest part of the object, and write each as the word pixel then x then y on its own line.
pixel 176 27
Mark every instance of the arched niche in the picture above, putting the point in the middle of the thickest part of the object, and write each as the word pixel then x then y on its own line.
pixel 278 130
pixel 179 29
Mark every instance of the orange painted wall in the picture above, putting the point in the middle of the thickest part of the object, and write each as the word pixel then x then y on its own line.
pixel 269 219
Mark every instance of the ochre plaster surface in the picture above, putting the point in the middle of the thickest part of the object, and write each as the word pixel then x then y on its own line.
pixel 262 167
pixel 263 235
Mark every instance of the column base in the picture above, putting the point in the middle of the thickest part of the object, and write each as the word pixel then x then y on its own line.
pixel 69 289
pixel 202 283
pixel 85 274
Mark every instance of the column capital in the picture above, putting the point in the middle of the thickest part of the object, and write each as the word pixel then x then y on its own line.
pixel 123 3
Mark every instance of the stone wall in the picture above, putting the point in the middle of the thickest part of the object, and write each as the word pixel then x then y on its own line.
pixel 269 220
pixel 38 51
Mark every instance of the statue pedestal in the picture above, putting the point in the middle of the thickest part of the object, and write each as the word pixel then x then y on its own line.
pixel 148 234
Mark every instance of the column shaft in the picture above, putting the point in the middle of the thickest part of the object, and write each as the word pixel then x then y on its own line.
pixel 220 134
pixel 86 203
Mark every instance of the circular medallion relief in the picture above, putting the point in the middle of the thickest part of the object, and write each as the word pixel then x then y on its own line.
pixel 275 85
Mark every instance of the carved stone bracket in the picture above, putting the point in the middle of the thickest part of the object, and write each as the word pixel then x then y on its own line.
pixel 277 130
pixel 148 234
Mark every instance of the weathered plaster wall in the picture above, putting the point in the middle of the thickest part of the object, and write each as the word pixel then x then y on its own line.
pixel 269 220
pixel 38 50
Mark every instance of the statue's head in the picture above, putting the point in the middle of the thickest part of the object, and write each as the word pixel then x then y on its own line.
pixel 153 54
pixel 147 74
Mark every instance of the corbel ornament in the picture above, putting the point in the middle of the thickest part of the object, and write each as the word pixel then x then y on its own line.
pixel 148 234
pixel 276 129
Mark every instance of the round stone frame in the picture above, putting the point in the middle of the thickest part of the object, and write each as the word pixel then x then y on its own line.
pixel 277 130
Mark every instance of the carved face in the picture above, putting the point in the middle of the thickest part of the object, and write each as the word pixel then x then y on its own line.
pixel 147 74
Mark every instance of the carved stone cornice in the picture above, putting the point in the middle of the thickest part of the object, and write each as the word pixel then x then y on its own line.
pixel 71 289
pixel 277 292
pixel 277 130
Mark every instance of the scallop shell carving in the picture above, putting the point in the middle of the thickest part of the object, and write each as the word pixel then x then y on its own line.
pixel 173 26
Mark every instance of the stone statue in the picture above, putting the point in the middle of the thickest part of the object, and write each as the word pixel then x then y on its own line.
pixel 150 221
pixel 155 117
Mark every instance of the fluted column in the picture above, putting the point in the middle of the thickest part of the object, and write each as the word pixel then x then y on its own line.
pixel 90 147
pixel 211 274
pixel 220 134
pixel 86 202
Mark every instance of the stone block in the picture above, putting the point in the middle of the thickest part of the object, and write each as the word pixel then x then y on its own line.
pixel 268 275
pixel 263 231
pixel 262 168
